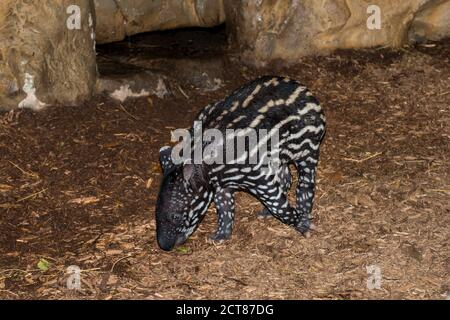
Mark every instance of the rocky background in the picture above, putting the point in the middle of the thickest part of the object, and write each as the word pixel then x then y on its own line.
pixel 42 61
pixel 47 48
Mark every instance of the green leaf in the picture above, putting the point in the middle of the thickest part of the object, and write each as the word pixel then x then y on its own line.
pixel 43 265
pixel 183 250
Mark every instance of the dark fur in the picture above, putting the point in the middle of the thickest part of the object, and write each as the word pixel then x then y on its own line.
pixel 266 103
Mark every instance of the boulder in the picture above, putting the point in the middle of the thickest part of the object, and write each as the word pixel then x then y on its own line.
pixel 47 53
pixel 432 22
pixel 266 30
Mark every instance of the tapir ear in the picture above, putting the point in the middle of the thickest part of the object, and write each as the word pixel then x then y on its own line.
pixel 194 174
pixel 188 171
pixel 165 157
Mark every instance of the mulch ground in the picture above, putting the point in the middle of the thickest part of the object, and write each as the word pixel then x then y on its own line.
pixel 78 187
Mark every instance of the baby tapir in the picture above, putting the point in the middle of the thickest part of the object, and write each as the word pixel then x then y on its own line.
pixel 275 105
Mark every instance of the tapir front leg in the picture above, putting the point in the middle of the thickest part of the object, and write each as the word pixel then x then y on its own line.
pixel 225 206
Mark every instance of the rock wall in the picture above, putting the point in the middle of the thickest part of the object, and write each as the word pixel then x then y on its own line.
pixel 266 30
pixel 42 61
pixel 269 30
pixel 120 18
pixel 46 58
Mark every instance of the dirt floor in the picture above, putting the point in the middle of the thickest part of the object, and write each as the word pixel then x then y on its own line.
pixel 78 187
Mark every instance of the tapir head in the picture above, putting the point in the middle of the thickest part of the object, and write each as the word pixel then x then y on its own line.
pixel 183 199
